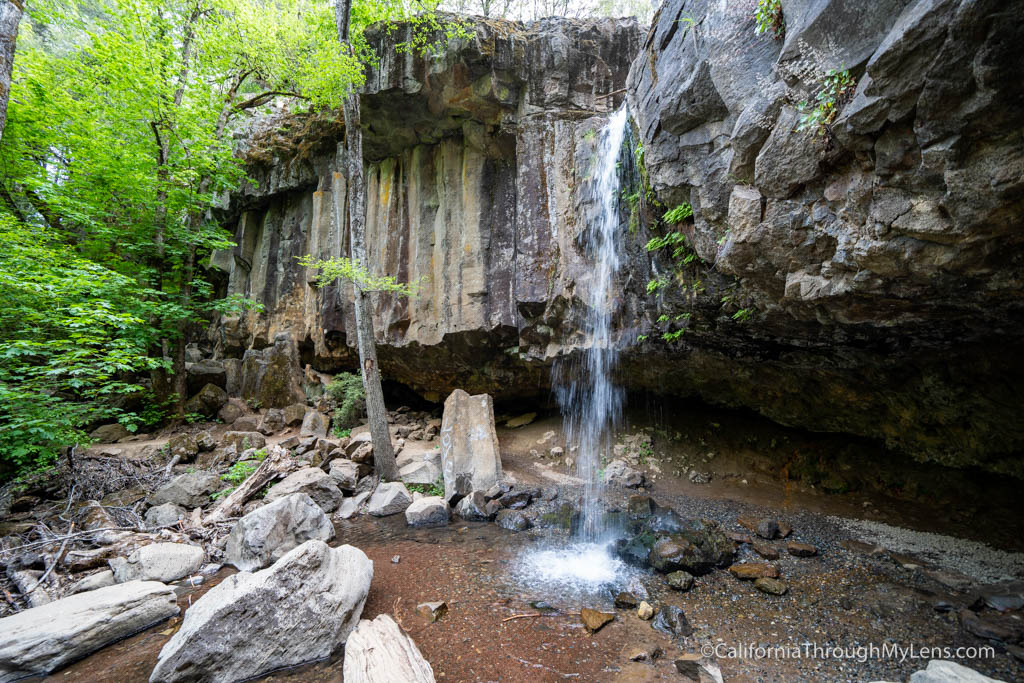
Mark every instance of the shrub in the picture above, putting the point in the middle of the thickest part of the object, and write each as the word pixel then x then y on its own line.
pixel 346 390
pixel 768 17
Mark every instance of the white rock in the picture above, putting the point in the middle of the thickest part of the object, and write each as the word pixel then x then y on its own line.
pixel 419 472
pixel 469 445
pixel 312 481
pixel 43 639
pixel 264 535
pixel 389 499
pixel 428 511
pixel 618 473
pixel 380 652
pixel 941 671
pixel 92 582
pixel 350 506
pixel 300 609
pixel 158 562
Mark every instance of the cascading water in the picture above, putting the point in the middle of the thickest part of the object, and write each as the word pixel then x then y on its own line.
pixel 591 404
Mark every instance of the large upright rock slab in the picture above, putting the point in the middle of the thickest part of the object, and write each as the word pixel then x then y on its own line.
pixel 380 652
pixel 40 640
pixel 264 535
pixel 300 609
pixel 470 458
pixel 272 377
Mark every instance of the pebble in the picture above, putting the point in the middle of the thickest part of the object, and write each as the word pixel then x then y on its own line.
pixel 801 549
pixel 770 586
pixel 396 559
pixel 645 612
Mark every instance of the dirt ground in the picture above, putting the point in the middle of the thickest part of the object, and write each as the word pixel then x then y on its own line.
pixel 844 597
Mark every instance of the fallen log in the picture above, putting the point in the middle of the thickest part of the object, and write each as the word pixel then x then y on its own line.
pixel 278 463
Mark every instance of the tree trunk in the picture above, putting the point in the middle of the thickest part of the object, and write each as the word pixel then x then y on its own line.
pixel 10 17
pixel 376 411
pixel 277 463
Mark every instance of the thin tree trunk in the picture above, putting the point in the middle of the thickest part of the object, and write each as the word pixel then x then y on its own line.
pixel 376 411
pixel 10 17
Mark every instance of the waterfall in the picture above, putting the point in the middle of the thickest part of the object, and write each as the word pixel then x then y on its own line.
pixel 591 404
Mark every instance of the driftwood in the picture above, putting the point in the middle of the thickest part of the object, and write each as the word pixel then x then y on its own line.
pixel 379 651
pixel 278 463
pixel 26 582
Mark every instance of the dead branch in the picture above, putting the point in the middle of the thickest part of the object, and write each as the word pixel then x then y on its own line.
pixel 525 616
pixel 279 462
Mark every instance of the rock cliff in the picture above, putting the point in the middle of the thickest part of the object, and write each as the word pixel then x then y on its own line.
pixel 877 262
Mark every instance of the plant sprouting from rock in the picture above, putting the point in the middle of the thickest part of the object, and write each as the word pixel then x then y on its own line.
pixel 768 18
pixel 836 90
pixel 346 390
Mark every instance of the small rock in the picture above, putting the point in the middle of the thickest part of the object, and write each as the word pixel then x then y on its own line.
pixel 679 580
pixel 737 537
pixel 626 600
pixel 939 671
pixel 432 611
pixel 518 498
pixel 314 423
pixel 513 520
pixel 696 477
pixel 243 440
pixel 473 508
pixel 640 506
pixel 770 586
pixel 618 473
pixel 593 620
pixel 396 559
pixel 766 551
pixel 109 433
pixel 784 529
pixel 556 452
pixel 497 491
pixel 645 611
pixel 350 506
pixel 672 622
pixel 801 549
pixel 754 570
pixel 521 420
pixel 98 580
pixel 312 481
pixel 767 529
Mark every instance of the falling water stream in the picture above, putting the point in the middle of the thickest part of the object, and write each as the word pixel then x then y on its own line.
pixel 591 403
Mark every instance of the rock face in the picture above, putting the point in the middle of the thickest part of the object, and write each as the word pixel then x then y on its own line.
pixel 159 562
pixel 301 609
pixel 312 481
pixel 870 275
pixel 380 652
pixel 264 535
pixel 43 639
pixel 878 259
pixel 470 459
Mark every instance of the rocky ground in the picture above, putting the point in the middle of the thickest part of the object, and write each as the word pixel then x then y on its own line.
pixel 777 562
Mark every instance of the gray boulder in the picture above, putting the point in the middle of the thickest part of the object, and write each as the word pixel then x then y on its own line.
pixel 206 372
pixel 419 472
pixel 312 481
pixel 158 562
pixel 231 411
pixel 109 433
pixel 41 640
pixel 208 401
pixel 189 490
pixel 473 508
pixel 272 377
pixel 183 446
pixel 618 473
pixel 300 609
pixel 345 474
pixel 350 506
pixel 314 423
pixel 267 533
pixel 93 582
pixel 428 511
pixel 272 422
pixel 513 520
pixel 243 440
pixel 162 515
pixel 389 499
pixel 294 414
pixel 469 445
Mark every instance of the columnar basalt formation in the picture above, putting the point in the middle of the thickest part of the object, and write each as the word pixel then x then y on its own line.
pixel 879 262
